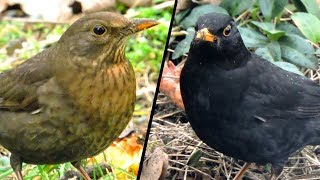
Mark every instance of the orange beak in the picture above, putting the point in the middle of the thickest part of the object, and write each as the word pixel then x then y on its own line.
pixel 205 35
pixel 142 24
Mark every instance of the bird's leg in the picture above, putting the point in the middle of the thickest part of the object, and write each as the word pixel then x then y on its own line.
pixel 242 171
pixel 16 164
pixel 276 171
pixel 77 164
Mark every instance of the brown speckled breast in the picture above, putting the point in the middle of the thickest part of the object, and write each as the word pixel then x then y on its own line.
pixel 81 115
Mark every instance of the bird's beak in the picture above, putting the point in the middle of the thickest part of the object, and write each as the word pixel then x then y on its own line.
pixel 142 24
pixel 205 35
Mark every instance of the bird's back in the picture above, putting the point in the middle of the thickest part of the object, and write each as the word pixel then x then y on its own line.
pixel 256 112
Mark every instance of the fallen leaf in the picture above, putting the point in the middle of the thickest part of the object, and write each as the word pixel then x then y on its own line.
pixel 170 83
pixel 97 5
pixel 124 153
pixel 155 167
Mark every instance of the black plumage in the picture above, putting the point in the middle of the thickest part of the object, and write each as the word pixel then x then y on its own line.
pixel 241 104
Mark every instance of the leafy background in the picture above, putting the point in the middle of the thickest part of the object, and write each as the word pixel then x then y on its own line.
pixel 285 33
pixel 21 38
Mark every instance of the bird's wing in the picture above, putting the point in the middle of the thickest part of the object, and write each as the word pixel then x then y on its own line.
pixel 309 106
pixel 18 86
pixel 281 94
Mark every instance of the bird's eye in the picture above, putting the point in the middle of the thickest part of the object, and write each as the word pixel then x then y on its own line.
pixel 99 30
pixel 227 31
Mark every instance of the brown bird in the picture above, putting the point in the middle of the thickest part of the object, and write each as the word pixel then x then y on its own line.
pixel 72 100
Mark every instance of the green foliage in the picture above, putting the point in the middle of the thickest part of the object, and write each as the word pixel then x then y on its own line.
pixel 272 8
pixel 297 50
pixel 196 12
pixel 268 28
pixel 148 52
pixel 288 67
pixel 181 47
pixel 285 43
pixel 308 24
pixel 252 38
pixel 10 31
pixel 236 7
pixel 271 52
pixel 309 6
pixel 194 157
pixel 30 35
pixel 294 56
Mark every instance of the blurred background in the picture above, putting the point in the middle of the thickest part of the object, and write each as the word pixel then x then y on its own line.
pixel 28 27
pixel 284 32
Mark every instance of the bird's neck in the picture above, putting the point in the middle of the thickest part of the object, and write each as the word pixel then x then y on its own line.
pixel 117 53
pixel 220 58
pixel 108 57
pixel 90 62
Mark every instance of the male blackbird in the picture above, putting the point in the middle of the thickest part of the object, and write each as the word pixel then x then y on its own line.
pixel 72 100
pixel 241 104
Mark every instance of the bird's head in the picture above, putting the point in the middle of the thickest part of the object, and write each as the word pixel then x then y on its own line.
pixel 217 35
pixel 100 36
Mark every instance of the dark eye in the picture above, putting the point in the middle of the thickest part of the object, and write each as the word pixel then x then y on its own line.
pixel 227 31
pixel 99 30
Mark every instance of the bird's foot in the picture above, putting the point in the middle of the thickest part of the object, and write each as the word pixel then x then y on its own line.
pixel 77 164
pixel 16 164
pixel 276 171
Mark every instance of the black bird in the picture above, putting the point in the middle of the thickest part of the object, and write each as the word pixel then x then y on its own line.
pixel 241 104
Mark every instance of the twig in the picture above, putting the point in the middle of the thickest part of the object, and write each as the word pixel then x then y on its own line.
pixel 179 33
pixel 290 12
pixel 242 15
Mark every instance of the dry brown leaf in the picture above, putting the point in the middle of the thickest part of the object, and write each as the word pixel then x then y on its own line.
pixel 89 6
pixel 124 153
pixel 170 83
pixel 3 5
pixel 184 4
pixel 155 167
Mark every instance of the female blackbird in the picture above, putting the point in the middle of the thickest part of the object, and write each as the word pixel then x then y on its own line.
pixel 243 105
pixel 72 100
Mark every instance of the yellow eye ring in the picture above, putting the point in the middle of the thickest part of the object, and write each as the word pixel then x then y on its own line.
pixel 227 31
pixel 99 29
